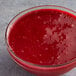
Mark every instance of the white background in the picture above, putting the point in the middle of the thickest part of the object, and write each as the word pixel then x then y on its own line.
pixel 8 9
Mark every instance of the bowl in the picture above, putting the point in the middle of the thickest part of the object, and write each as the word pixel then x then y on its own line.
pixel 52 70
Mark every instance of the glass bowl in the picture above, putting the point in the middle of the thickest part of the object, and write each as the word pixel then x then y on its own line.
pixel 52 70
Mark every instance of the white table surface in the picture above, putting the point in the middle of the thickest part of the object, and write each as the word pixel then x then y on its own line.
pixel 8 9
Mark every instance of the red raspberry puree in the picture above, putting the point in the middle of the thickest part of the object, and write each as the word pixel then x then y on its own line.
pixel 44 37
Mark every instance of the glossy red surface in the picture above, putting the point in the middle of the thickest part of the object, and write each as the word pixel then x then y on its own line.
pixel 44 37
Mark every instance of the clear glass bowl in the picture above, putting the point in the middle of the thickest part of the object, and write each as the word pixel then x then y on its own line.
pixel 54 70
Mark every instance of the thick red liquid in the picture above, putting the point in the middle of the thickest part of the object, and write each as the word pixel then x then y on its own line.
pixel 44 37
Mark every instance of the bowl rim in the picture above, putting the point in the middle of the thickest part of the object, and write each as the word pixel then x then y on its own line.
pixel 20 14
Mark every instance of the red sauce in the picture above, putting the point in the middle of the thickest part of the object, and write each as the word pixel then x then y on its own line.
pixel 44 37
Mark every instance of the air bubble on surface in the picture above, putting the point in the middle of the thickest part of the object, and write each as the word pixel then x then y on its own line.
pixel 49 61
pixel 12 45
pixel 46 48
pixel 22 51
pixel 62 19
pixel 45 35
pixel 37 40
pixel 24 37
pixel 40 55
pixel 50 20
pixel 34 55
pixel 55 22
pixel 55 37
pixel 47 41
pixel 48 31
pixel 52 58
pixel 44 22
pixel 38 17
pixel 61 37
pixel 72 25
pixel 41 62
pixel 49 38
pixel 58 57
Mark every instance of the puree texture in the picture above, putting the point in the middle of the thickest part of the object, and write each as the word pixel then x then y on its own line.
pixel 44 37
